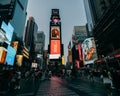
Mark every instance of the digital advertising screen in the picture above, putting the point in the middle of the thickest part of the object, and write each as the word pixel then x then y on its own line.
pixel 3 52
pixel 15 45
pixel 80 52
pixel 55 49
pixel 89 51
pixel 2 36
pixel 11 52
pixel 19 60
pixel 8 29
pixel 55 32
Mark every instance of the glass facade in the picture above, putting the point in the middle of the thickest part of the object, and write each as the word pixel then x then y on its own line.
pixel 19 18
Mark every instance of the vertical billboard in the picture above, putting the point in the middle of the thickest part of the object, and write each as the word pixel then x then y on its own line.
pixel 80 52
pixel 2 36
pixel 11 52
pixel 55 49
pixel 19 60
pixel 8 29
pixel 3 52
pixel 89 51
pixel 55 32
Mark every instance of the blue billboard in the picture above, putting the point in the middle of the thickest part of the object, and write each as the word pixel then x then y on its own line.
pixel 8 29
pixel 11 52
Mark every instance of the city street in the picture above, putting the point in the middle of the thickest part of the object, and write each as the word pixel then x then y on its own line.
pixel 59 50
pixel 60 87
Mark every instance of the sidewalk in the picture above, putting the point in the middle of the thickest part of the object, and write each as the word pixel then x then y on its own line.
pixel 98 80
pixel 28 87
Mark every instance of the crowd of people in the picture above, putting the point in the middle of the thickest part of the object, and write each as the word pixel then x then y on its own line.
pixel 10 78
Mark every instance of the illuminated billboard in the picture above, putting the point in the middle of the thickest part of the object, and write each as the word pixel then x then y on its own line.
pixel 8 29
pixel 2 36
pixel 55 49
pixel 89 51
pixel 55 32
pixel 15 45
pixel 11 52
pixel 19 60
pixel 3 52
pixel 80 52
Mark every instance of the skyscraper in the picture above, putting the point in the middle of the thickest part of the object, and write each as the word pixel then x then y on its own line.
pixel 39 48
pixel 13 16
pixel 55 47
pixel 19 18
pixel 29 40
pixel 89 18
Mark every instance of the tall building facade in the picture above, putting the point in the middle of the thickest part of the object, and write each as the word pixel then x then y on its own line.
pixel 55 40
pixel 12 21
pixel 14 12
pixel 39 48
pixel 89 24
pixel 29 36
pixel 105 16
pixel 19 18
pixel 80 34
pixel 7 8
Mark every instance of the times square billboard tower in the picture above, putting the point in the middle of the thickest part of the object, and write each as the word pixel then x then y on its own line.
pixel 55 47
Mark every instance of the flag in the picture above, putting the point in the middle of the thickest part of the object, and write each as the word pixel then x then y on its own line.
pixel 69 45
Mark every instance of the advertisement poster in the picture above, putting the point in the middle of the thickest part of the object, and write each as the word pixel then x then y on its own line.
pixel 55 50
pixel 3 52
pixel 55 32
pixel 8 29
pixel 15 45
pixel 11 52
pixel 55 47
pixel 89 51
pixel 19 60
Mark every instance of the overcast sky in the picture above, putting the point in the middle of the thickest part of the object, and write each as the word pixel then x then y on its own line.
pixel 72 13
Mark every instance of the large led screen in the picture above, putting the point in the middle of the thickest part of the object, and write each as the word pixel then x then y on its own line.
pixel 19 60
pixel 8 29
pixel 15 45
pixel 89 51
pixel 2 55
pixel 55 49
pixel 11 52
pixel 55 32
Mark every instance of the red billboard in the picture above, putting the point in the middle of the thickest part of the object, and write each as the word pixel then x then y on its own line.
pixel 55 47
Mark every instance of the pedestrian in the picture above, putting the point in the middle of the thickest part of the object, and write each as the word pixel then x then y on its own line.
pixel 18 78
pixel 50 74
pixel 116 80
pixel 91 76
pixel 107 82
pixel 36 74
